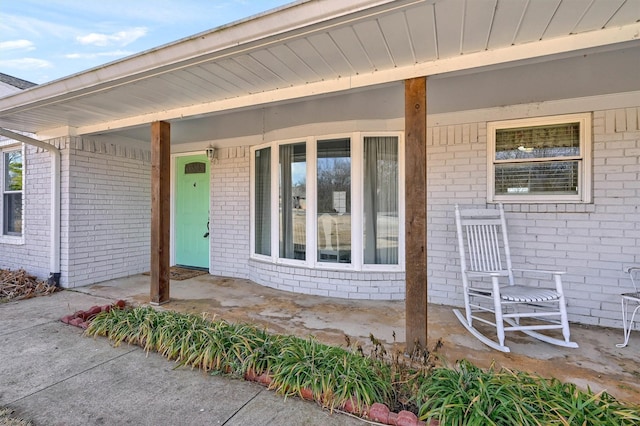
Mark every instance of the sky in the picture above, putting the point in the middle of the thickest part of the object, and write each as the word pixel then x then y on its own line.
pixel 44 40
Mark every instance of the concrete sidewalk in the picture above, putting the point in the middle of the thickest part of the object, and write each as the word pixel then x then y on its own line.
pixel 51 374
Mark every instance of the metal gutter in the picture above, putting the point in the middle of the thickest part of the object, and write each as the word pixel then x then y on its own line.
pixel 54 258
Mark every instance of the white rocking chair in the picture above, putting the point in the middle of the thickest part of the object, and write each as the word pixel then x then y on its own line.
pixel 484 257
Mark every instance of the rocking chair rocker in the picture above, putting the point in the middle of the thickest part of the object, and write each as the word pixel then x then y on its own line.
pixel 484 257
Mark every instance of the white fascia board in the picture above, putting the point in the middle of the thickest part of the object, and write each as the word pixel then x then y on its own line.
pixel 516 53
pixel 223 41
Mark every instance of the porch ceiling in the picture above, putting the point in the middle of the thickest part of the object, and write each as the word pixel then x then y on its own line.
pixel 315 47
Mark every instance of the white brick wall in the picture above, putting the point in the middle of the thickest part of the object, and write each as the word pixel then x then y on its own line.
pixel 33 255
pixel 341 284
pixel 592 242
pixel 106 212
pixel 229 225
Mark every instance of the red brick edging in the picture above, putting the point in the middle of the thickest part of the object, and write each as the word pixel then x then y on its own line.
pixel 377 412
pixel 82 319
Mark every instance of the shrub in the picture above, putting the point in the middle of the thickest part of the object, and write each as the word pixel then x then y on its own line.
pixel 467 395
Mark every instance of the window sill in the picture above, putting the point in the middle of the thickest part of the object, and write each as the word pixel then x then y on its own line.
pixel 10 240
pixel 328 266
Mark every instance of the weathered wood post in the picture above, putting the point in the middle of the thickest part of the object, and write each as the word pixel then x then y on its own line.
pixel 416 211
pixel 160 211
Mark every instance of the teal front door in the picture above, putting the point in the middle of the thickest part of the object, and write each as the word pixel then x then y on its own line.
pixel 192 211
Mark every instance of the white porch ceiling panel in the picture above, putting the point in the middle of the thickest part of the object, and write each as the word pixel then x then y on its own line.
pixel 303 50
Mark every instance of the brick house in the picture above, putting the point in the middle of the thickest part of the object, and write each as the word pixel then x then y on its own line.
pixel 290 149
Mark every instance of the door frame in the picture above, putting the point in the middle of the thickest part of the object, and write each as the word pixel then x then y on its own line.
pixel 173 174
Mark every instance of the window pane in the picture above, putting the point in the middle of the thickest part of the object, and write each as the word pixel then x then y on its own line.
pixel 562 140
pixel 381 200
pixel 334 201
pixel 13 214
pixel 553 177
pixel 293 200
pixel 13 171
pixel 263 201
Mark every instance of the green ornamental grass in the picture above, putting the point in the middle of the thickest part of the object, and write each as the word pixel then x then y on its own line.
pixel 468 395
pixel 464 395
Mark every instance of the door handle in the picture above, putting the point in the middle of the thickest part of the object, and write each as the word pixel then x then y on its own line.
pixel 206 234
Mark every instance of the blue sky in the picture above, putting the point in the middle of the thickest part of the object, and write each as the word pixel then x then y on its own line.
pixel 43 40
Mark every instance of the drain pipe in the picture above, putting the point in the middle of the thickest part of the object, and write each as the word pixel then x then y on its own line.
pixel 54 258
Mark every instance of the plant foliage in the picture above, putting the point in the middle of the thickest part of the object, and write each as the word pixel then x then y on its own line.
pixel 334 375
pixel 465 395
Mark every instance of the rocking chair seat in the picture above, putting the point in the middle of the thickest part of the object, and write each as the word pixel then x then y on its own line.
pixel 522 294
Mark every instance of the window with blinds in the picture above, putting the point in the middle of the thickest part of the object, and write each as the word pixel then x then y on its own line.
pixel 540 160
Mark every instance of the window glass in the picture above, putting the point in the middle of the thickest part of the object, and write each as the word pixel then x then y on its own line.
pixel 557 177
pixel 381 225
pixel 262 189
pixel 293 201
pixel 12 194
pixel 543 159
pixel 560 140
pixel 334 200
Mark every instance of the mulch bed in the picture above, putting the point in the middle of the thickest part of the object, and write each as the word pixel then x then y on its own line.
pixel 16 285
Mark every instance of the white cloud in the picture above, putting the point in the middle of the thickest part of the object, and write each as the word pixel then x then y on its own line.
pixel 114 53
pixel 26 63
pixel 121 38
pixel 16 45
pixel 33 27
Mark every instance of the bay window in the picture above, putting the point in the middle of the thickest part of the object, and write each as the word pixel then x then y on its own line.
pixel 333 203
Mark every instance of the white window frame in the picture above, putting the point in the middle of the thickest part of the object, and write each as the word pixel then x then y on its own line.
pixel 12 239
pixel 584 159
pixel 357 201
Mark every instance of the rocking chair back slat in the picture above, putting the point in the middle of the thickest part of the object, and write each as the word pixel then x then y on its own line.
pixel 483 247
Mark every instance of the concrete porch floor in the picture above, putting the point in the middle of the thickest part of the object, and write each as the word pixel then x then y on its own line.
pixel 597 363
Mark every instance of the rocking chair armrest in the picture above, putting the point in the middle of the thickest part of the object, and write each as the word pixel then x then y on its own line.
pixel 487 274
pixel 540 271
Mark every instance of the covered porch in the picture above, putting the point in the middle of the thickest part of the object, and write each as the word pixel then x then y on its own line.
pixel 598 364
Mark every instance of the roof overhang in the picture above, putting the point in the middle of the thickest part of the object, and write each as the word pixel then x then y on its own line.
pixel 312 48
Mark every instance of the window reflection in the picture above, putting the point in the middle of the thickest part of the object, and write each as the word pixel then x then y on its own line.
pixel 334 201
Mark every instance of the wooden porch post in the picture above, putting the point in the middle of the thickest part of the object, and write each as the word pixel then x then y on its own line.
pixel 160 211
pixel 415 107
